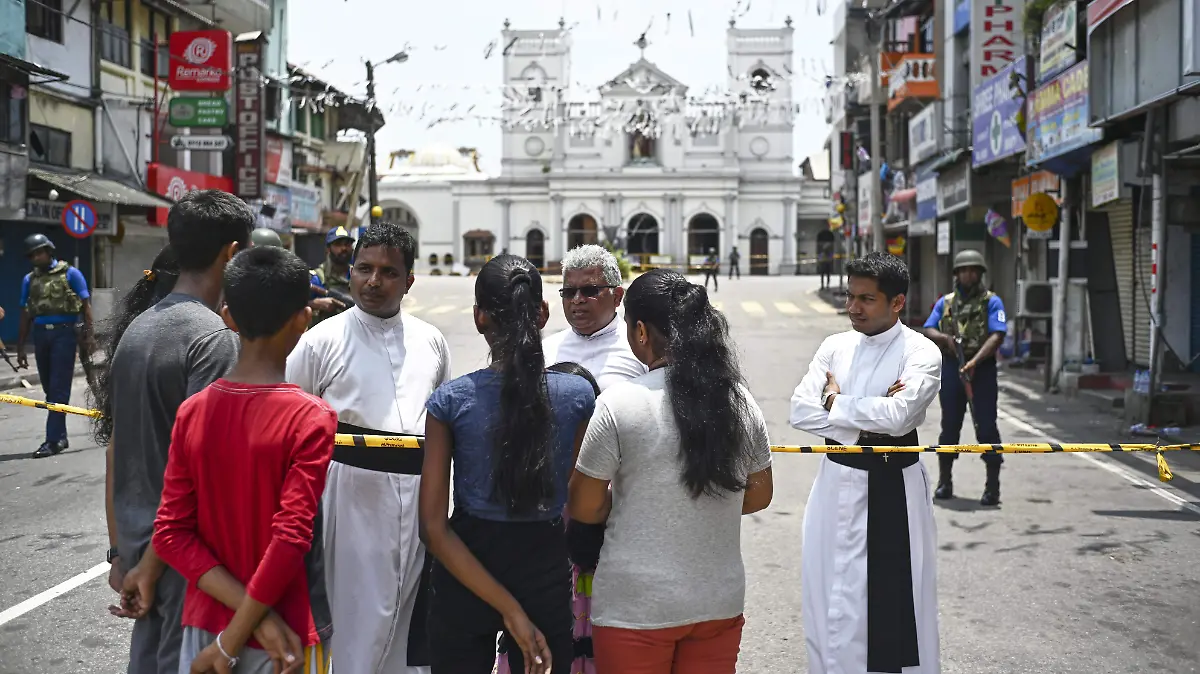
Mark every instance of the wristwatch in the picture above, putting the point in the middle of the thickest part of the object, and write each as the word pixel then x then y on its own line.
pixel 112 554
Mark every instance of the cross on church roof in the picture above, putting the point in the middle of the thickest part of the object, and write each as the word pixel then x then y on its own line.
pixel 641 44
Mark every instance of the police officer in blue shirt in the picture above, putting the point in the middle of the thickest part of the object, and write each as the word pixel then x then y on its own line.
pixel 333 275
pixel 969 325
pixel 54 296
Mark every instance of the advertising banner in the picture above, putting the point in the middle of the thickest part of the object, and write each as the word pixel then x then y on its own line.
pixel 925 133
pixel 927 208
pixel 1059 28
pixel 173 183
pixel 997 37
pixel 1058 117
pixel 1106 178
pixel 199 60
pixel 306 207
pixel 954 189
pixel 251 125
pixel 994 106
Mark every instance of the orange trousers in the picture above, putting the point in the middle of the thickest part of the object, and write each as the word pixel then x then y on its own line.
pixel 709 647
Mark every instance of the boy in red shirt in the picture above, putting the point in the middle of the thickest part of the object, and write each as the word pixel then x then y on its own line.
pixel 244 476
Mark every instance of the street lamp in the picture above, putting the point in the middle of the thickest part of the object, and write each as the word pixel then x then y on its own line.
pixel 372 177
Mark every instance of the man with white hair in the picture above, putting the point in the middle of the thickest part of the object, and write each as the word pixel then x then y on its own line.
pixel 591 294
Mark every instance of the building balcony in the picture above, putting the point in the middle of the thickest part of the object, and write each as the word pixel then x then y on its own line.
pixel 913 78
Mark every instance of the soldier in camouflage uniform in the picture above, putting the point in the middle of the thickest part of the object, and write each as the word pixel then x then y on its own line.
pixel 333 275
pixel 975 315
pixel 54 297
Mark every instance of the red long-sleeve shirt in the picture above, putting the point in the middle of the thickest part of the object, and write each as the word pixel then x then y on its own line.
pixel 245 473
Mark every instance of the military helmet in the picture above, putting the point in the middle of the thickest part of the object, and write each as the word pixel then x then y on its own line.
pixel 35 242
pixel 969 258
pixel 265 237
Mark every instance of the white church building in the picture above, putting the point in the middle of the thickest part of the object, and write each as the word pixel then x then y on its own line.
pixel 664 186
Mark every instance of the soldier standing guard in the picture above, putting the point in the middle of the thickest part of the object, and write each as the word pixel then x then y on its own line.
pixel 969 325
pixel 53 298
pixel 334 274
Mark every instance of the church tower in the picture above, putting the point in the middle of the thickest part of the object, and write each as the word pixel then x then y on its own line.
pixel 537 72
pixel 759 68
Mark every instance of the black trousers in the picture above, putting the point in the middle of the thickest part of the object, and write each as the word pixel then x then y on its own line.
pixel 953 397
pixel 530 560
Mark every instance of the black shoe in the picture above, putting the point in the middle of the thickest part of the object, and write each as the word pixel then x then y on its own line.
pixel 47 449
pixel 945 485
pixel 991 488
pixel 945 489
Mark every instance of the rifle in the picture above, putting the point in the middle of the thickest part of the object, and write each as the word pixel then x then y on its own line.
pixel 8 359
pixel 333 294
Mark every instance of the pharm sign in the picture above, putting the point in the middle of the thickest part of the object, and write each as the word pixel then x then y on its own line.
pixel 200 60
pixel 997 37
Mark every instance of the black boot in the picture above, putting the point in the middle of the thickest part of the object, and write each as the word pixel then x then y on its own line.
pixel 945 485
pixel 991 488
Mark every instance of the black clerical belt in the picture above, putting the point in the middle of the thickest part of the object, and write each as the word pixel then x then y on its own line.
pixel 395 460
pixel 891 613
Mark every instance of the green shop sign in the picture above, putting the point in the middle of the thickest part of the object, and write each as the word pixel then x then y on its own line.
pixel 198 111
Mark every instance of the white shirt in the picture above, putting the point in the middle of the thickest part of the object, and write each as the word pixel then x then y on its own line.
pixel 606 353
pixel 376 372
pixel 865 367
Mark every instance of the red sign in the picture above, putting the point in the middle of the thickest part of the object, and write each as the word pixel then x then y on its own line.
pixel 173 183
pixel 200 60
pixel 79 219
pixel 1099 10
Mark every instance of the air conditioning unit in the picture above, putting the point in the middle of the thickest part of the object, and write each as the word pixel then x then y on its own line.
pixel 1035 299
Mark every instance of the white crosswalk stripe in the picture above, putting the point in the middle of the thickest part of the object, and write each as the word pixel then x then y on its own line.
pixel 753 308
pixel 777 309
pixel 821 307
pixel 787 308
pixel 444 309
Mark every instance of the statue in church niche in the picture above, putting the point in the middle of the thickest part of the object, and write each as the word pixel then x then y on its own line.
pixel 642 150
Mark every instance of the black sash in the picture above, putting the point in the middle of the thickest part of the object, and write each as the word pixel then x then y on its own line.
pixel 395 460
pixel 891 613
pixel 399 461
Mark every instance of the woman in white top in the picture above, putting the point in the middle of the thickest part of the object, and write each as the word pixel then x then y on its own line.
pixel 685 449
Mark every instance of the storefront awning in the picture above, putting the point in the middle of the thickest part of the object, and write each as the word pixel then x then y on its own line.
pixel 94 188
pixel 32 69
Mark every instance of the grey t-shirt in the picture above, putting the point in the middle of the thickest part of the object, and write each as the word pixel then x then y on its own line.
pixel 169 353
pixel 668 559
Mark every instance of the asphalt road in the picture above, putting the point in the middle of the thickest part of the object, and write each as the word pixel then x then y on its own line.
pixel 1090 565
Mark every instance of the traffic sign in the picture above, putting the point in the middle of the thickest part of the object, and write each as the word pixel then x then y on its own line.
pixel 79 219
pixel 198 111
pixel 202 143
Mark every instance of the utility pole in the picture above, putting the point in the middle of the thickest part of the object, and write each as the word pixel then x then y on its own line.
pixel 877 100
pixel 372 177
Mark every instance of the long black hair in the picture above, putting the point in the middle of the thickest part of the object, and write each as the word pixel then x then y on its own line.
pixel 156 283
pixel 578 370
pixel 509 290
pixel 704 382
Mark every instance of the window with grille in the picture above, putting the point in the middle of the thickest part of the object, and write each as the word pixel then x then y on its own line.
pixel 49 145
pixel 44 19
pixel 114 44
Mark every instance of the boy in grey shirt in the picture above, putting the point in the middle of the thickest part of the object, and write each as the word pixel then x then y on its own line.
pixel 168 353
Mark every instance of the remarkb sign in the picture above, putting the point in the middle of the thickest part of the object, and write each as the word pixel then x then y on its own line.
pixel 200 60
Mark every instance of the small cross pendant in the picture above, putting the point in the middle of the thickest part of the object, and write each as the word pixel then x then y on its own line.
pixel 885 458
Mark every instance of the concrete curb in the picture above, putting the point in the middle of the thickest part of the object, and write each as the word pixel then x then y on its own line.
pixel 12 380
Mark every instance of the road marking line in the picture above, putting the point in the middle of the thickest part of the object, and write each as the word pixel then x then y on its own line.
pixel 753 308
pixel 822 307
pixel 56 591
pixel 469 310
pixel 1110 466
pixel 718 305
pixel 445 308
pixel 413 310
pixel 787 308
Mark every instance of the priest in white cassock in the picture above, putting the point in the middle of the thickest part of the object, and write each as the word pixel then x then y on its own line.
pixel 591 295
pixel 377 367
pixel 868 565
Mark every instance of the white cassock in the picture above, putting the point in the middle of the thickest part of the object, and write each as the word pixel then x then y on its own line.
pixel 377 374
pixel 834 558
pixel 606 353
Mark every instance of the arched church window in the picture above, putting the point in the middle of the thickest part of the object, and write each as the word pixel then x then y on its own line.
pixel 535 81
pixel 761 81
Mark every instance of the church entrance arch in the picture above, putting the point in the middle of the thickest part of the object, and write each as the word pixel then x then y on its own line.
pixel 535 248
pixel 581 230
pixel 405 217
pixel 760 252
pixel 704 234
pixel 642 237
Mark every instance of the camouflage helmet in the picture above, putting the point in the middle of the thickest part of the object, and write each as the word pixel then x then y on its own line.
pixel 265 237
pixel 969 258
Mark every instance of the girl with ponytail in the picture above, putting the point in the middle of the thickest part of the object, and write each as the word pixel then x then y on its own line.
pixel 511 432
pixel 685 449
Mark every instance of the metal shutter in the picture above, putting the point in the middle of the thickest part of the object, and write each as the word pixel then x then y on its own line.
pixel 1120 228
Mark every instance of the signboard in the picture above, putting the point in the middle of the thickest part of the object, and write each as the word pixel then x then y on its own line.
pixel 926 196
pixel 198 111
pixel 1042 181
pixel 173 183
pixel 201 143
pixel 954 189
pixel 306 207
pixel 1106 179
pixel 1059 40
pixel 279 161
pixel 1040 212
pixel 200 60
pixel 866 182
pixel 248 106
pixel 997 37
pixel 925 133
pixel 943 237
pixel 995 105
pixel 1099 10
pixel 281 199
pixel 79 219
pixel 1058 116
pixel 45 210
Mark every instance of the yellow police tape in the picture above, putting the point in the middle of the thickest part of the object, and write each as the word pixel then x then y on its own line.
pixel 416 442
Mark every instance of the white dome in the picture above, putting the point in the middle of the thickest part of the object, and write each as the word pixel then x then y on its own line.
pixel 437 156
pixel 435 163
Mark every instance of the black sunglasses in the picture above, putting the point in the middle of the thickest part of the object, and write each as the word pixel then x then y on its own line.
pixel 569 293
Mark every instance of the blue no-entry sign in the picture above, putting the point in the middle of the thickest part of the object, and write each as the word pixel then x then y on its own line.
pixel 79 219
